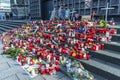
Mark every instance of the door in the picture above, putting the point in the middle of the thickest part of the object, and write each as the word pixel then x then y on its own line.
pixel 47 7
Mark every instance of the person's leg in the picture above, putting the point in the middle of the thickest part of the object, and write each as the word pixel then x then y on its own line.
pixel 62 17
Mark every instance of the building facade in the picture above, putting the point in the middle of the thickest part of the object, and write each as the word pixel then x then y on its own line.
pixel 35 9
pixel 46 9
pixel 5 9
pixel 20 9
pixel 86 7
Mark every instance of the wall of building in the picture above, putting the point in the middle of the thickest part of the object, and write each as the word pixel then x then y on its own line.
pixel 95 5
pixel 47 7
pixel 2 16
pixel 5 9
pixel 20 9
pixel 35 9
pixel 84 7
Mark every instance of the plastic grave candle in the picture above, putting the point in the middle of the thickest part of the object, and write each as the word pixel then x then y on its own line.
pixel 19 58
pixel 54 69
pixel 28 60
pixel 29 69
pixel 68 64
pixel 113 31
pixel 87 56
pixel 48 58
pixel 102 46
pixel 33 72
pixel 47 67
pixel 95 47
pixel 23 61
pixel 43 70
pixel 31 62
pixel 107 33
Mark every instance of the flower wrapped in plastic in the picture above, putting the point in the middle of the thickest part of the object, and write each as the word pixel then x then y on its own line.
pixel 87 75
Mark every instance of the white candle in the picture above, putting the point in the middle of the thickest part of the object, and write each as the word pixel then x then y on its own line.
pixel 33 72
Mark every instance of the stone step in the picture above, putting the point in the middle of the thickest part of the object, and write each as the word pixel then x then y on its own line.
pixel 118 31
pixel 58 76
pixel 64 70
pixel 107 55
pixel 11 22
pixel 116 27
pixel 3 29
pixel 17 21
pixel 6 27
pixel 1 32
pixel 114 46
pixel 96 77
pixel 116 37
pixel 14 26
pixel 100 67
pixel 11 25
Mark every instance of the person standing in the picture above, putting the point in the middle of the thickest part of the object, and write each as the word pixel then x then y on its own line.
pixel 61 13
pixel 67 14
pixel 77 16
pixel 93 16
pixel 72 14
pixel 53 14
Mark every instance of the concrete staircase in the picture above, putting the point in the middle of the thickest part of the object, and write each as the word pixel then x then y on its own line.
pixel 105 63
pixel 8 25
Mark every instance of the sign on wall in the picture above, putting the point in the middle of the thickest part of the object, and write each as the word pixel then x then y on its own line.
pixel 86 17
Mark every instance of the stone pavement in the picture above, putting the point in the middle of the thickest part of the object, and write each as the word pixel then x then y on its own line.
pixel 10 70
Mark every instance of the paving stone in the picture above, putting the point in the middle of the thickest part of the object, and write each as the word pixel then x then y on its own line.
pixel 23 76
pixel 39 77
pixel 9 72
pixel 13 63
pixel 1 56
pixel 59 75
pixel 49 77
pixel 13 77
pixel 64 78
pixel 4 60
pixel 4 66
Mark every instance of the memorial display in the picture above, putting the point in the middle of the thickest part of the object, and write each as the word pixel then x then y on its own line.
pixel 45 47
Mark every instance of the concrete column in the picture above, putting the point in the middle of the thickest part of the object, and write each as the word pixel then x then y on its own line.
pixel 119 7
